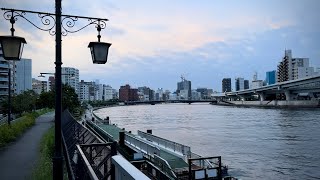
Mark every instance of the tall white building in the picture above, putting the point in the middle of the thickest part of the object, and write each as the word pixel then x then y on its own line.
pixel 293 68
pixel 71 77
pixel 84 91
pixel 107 92
pixel 23 75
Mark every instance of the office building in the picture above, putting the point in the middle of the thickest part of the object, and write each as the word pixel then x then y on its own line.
pixel 226 85
pixel 246 84
pixel 270 77
pixel 126 93
pixel 84 91
pixel 239 84
pixel 184 86
pixel 23 75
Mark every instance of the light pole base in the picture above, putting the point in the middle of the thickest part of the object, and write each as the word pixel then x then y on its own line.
pixel 57 167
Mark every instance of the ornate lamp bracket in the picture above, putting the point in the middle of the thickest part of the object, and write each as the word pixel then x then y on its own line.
pixel 48 21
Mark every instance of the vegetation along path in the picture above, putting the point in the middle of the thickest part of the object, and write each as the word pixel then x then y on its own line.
pixel 18 159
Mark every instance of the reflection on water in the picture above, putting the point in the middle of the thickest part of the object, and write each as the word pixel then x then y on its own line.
pixel 255 143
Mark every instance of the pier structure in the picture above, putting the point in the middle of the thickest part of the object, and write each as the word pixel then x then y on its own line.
pixel 157 157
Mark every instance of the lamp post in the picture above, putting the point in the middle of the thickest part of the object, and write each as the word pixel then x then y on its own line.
pixel 99 53
pixel 9 94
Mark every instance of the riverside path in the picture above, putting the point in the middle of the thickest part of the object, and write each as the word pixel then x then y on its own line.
pixel 18 158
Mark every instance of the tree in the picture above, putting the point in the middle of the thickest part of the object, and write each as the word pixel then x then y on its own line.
pixel 69 99
pixel 24 102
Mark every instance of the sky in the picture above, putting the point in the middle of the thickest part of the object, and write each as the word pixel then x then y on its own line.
pixel 155 42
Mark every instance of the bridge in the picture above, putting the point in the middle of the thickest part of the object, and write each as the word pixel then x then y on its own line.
pixel 171 101
pixel 290 89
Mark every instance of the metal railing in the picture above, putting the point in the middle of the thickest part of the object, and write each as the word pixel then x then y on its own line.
pixel 141 145
pixel 86 155
pixel 176 147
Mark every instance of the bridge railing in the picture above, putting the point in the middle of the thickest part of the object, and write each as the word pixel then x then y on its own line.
pixel 176 147
pixel 143 146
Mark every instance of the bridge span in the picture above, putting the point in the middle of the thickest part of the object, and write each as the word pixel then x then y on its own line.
pixel 171 101
pixel 290 90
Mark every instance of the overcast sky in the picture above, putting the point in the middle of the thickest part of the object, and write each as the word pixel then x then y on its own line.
pixel 155 42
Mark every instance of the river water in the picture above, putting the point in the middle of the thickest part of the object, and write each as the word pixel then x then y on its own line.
pixel 255 143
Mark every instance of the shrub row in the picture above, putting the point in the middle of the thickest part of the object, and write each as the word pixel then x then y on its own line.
pixel 17 127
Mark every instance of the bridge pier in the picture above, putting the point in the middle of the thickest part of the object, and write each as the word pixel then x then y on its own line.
pixel 288 95
pixel 262 96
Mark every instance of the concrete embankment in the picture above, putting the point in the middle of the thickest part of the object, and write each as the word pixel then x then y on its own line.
pixel 274 103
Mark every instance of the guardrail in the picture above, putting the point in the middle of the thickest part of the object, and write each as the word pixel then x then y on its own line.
pixel 143 146
pixel 177 147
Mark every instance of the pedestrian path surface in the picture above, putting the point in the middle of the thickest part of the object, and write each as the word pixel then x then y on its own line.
pixel 18 158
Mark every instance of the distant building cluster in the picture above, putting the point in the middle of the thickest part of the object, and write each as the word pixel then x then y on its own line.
pixel 289 68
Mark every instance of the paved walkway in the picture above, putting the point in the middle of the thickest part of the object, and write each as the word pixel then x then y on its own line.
pixel 18 159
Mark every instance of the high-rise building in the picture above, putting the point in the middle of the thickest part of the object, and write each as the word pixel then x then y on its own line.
pixel 270 77
pixel 293 68
pixel 226 85
pixel 128 94
pixel 23 75
pixel 184 85
pixel 71 77
pixel 4 78
pixel 239 84
pixel 84 91
pixel 246 84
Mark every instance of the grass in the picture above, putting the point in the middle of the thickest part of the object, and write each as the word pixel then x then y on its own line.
pixel 17 127
pixel 43 169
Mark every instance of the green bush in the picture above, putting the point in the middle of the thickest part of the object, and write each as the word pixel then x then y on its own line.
pixel 17 127
pixel 43 169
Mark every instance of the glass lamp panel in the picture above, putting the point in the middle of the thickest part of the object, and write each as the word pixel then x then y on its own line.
pixel 11 48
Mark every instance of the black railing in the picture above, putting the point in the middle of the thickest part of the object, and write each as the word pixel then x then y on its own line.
pixel 86 155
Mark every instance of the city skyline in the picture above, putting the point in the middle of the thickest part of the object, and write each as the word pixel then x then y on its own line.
pixel 206 41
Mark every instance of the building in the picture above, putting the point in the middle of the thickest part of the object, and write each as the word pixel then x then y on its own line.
pixel 4 78
pixel 226 85
pixel 128 94
pixel 84 91
pixel 184 85
pixel 51 83
pixel 146 94
pixel 246 84
pixel 203 93
pixel 239 84
pixel 293 68
pixel 39 86
pixel 270 77
pixel 107 92
pixel 196 95
pixel 23 75
pixel 256 84
pixel 71 77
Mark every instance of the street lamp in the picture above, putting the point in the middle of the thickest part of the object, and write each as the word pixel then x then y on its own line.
pixel 59 25
pixel 12 47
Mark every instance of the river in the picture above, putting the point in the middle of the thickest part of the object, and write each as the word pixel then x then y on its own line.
pixel 255 143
